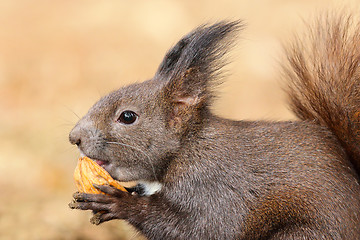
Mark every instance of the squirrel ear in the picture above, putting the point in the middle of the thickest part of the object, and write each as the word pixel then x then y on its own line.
pixel 192 67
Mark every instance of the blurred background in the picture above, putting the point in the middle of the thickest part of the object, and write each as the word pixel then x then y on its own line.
pixel 58 57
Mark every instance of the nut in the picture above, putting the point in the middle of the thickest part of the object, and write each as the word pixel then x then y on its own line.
pixel 88 172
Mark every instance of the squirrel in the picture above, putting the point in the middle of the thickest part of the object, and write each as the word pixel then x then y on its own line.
pixel 202 176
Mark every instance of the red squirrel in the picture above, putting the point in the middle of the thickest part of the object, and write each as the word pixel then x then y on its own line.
pixel 202 176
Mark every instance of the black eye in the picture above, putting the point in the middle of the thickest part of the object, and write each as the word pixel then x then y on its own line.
pixel 127 117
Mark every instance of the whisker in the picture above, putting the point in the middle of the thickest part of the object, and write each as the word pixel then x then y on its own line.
pixel 137 149
pixel 72 111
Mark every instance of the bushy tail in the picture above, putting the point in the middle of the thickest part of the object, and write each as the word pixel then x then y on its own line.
pixel 324 78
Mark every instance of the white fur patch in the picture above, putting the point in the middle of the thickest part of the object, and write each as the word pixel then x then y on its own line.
pixel 150 187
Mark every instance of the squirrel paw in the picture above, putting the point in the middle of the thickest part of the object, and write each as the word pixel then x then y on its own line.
pixel 114 204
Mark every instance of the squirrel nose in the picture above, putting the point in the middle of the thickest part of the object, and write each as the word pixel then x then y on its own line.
pixel 75 136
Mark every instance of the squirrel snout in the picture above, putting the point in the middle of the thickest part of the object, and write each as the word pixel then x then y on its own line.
pixel 82 133
pixel 75 136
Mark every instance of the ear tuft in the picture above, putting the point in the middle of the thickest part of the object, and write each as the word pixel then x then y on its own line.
pixel 190 69
pixel 201 51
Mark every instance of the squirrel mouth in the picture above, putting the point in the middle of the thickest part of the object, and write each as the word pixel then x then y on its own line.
pixel 101 163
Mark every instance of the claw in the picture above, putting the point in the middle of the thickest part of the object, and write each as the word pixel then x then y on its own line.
pixel 77 196
pixel 96 218
pixel 72 204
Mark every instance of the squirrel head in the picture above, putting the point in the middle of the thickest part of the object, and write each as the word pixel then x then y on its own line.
pixel 135 131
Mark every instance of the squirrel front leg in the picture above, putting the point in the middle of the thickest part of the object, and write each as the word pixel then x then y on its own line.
pixel 116 204
pixel 152 215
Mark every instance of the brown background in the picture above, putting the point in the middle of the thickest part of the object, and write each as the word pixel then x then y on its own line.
pixel 58 57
